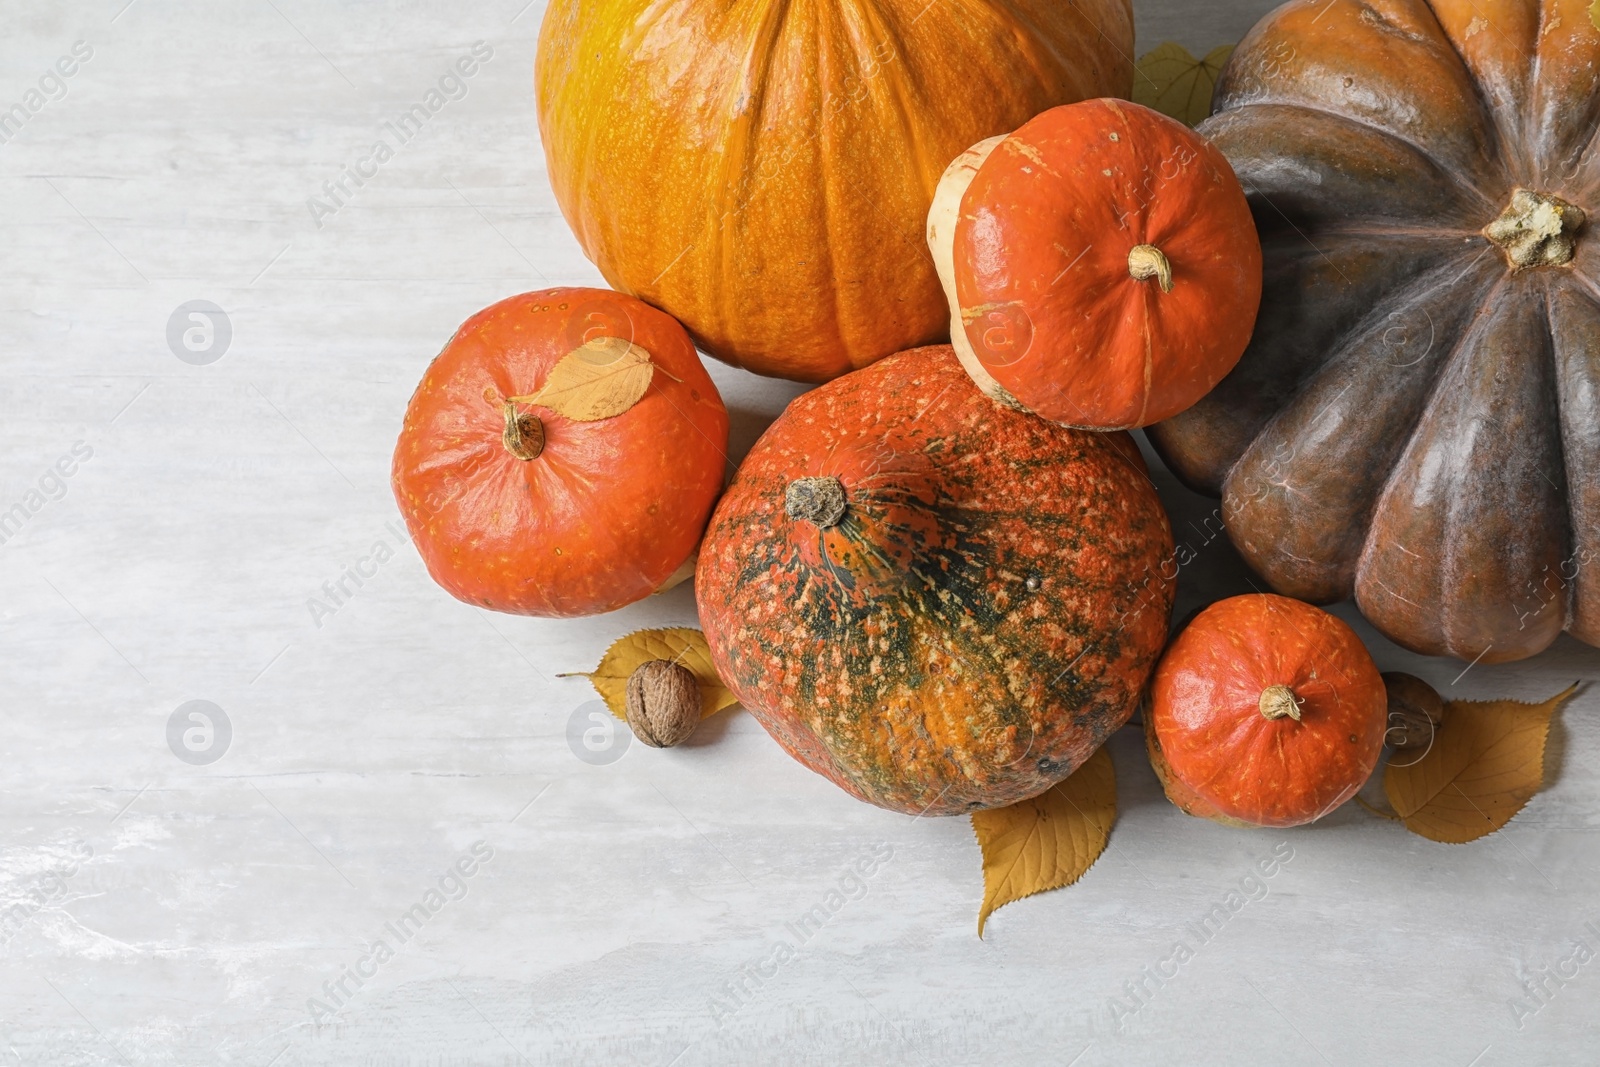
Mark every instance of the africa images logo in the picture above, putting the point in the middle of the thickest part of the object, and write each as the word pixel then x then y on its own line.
pixel 51 486
pixel 596 736
pixel 452 885
pixel 199 732
pixel 199 332
pixel 52 86
pixel 452 85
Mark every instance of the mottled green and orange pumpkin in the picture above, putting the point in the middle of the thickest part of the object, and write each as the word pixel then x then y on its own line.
pixel 938 602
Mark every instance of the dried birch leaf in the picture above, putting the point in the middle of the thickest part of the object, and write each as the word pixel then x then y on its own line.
pixel 681 645
pixel 602 379
pixel 1049 841
pixel 1175 83
pixel 1486 762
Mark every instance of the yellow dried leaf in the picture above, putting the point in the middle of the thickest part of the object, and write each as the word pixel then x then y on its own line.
pixel 603 378
pixel 681 645
pixel 1594 14
pixel 1485 763
pixel 1173 82
pixel 1049 841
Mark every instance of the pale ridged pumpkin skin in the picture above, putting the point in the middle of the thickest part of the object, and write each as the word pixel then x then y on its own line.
pixel 983 617
pixel 763 170
pixel 1415 423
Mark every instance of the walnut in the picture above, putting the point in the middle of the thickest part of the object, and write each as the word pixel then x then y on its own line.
pixel 1415 711
pixel 663 703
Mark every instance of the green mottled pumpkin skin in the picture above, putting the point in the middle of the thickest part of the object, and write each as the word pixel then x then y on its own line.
pixel 985 614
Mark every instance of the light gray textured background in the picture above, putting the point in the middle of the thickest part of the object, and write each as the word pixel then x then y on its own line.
pixel 185 914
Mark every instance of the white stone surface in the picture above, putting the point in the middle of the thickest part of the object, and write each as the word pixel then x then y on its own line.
pixel 189 912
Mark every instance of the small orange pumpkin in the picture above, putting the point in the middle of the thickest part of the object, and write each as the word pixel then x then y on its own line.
pixel 1267 711
pixel 1104 270
pixel 517 508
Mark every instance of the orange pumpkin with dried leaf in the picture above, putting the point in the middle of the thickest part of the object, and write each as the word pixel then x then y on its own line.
pixel 562 455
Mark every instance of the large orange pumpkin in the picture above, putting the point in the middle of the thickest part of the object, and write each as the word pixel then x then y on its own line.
pixel 1104 265
pixel 1265 711
pixel 939 603
pixel 763 170
pixel 517 508
pixel 1417 421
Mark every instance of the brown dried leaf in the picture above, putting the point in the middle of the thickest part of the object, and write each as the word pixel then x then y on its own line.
pixel 1173 82
pixel 603 378
pixel 1049 841
pixel 681 645
pixel 1486 762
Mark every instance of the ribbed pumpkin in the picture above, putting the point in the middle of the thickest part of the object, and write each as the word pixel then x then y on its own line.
pixel 1417 421
pixel 1103 269
pixel 517 508
pixel 939 603
pixel 1265 711
pixel 763 170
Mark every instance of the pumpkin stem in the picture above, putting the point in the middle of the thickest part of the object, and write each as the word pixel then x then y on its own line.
pixel 1148 261
pixel 819 501
pixel 1537 230
pixel 1279 702
pixel 524 434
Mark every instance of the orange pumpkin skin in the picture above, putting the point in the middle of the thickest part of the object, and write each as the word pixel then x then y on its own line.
pixel 1183 798
pixel 1044 279
pixel 1210 725
pixel 983 614
pixel 608 511
pixel 762 171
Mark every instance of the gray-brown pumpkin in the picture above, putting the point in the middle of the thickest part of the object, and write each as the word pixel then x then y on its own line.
pixel 1417 420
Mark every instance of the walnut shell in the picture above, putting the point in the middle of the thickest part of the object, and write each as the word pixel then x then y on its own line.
pixel 1415 711
pixel 663 703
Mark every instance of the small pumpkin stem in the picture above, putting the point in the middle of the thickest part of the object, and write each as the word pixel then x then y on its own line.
pixel 819 501
pixel 1148 261
pixel 524 434
pixel 1279 702
pixel 1537 230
